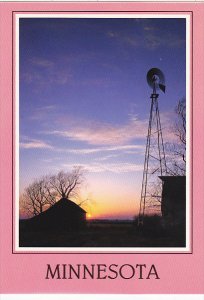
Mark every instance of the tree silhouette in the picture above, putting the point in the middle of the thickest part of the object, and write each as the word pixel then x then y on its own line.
pixel 177 150
pixel 44 192
pixel 67 184
pixel 37 197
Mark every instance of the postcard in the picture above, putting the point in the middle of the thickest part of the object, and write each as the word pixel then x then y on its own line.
pixel 101 148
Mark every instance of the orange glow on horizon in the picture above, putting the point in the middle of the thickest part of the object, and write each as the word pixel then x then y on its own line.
pixel 109 198
pixel 112 197
pixel 113 206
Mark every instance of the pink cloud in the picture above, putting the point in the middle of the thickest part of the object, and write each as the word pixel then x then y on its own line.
pixel 35 144
pixel 95 133
pixel 98 133
pixel 97 167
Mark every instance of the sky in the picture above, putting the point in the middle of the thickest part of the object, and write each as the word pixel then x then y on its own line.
pixel 84 100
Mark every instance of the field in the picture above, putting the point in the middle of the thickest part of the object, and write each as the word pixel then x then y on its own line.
pixel 105 234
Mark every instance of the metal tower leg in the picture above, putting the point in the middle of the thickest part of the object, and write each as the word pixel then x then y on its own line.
pixel 154 164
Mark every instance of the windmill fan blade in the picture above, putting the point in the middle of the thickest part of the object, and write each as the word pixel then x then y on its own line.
pixel 162 87
pixel 155 79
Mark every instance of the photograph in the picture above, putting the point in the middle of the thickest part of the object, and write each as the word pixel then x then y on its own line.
pixel 101 148
pixel 103 142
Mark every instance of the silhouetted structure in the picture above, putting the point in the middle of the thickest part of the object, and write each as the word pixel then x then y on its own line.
pixel 155 160
pixel 173 202
pixel 63 215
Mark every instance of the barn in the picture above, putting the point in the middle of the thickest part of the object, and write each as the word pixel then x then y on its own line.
pixel 173 202
pixel 63 215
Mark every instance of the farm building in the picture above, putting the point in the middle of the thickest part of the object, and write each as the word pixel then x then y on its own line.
pixel 173 204
pixel 63 215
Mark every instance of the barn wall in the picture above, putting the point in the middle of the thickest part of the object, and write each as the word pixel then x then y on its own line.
pixel 173 204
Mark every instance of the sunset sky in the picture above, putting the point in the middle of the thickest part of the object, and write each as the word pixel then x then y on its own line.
pixel 84 100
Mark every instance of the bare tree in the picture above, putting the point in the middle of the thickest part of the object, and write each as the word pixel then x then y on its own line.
pixel 25 208
pixel 67 184
pixel 37 197
pixel 177 150
pixel 44 192
pixel 180 126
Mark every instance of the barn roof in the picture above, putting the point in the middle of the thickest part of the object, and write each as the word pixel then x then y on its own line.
pixel 66 204
pixel 62 215
pixel 61 208
pixel 172 178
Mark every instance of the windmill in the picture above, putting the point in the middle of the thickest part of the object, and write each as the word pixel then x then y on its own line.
pixel 155 161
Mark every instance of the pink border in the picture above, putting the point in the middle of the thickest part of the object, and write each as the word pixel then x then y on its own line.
pixel 22 273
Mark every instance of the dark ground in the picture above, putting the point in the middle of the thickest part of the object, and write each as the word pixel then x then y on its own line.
pixel 105 234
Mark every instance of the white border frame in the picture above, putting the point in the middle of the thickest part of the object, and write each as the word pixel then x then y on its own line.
pixel 101 297
pixel 110 250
